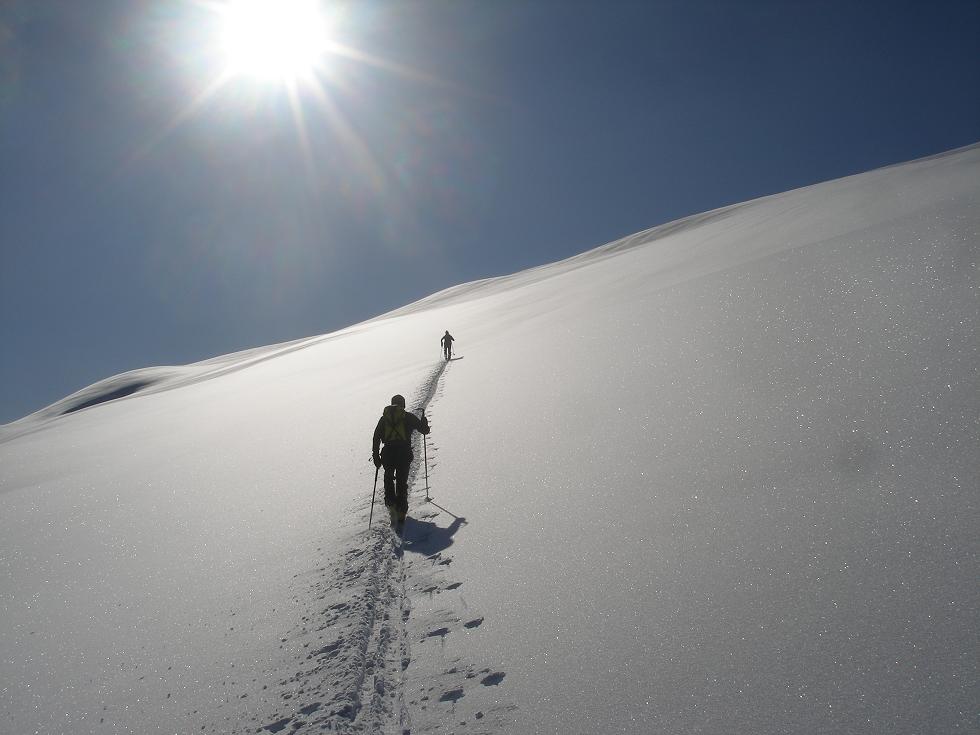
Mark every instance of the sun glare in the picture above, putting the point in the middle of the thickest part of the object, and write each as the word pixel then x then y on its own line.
pixel 273 39
pixel 254 58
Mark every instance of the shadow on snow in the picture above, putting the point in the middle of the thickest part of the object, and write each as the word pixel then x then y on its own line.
pixel 425 537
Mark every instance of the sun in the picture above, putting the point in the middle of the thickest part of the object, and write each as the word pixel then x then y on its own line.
pixel 282 40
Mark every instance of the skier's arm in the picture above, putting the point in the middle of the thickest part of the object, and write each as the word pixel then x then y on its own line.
pixel 417 424
pixel 378 433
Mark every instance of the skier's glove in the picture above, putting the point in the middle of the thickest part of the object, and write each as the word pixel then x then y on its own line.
pixel 425 425
pixel 377 459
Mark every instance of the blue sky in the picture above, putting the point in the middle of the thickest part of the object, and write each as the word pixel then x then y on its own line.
pixel 143 223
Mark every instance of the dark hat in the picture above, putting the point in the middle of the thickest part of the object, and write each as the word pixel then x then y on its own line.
pixel 397 400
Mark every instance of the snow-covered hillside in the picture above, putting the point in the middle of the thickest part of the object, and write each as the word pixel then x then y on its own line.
pixel 716 477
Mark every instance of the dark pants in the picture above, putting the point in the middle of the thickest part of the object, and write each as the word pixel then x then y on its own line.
pixel 448 350
pixel 396 459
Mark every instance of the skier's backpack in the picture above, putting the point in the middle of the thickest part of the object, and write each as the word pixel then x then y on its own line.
pixel 395 429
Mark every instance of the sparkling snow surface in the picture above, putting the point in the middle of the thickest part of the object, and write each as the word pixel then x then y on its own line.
pixel 717 477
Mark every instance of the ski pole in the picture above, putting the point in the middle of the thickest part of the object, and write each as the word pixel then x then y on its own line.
pixel 425 460
pixel 373 493
pixel 425 457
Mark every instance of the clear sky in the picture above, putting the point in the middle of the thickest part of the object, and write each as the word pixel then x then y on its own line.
pixel 164 200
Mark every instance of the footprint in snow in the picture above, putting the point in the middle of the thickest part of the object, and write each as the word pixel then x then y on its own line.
pixel 453 695
pixel 328 651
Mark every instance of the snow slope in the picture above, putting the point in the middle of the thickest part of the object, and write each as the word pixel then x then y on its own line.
pixel 716 477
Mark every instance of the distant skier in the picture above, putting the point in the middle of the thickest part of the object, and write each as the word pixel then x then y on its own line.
pixel 395 429
pixel 447 344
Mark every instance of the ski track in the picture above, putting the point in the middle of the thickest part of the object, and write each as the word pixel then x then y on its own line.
pixel 351 651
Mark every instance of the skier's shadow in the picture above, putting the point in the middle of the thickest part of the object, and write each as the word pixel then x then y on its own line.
pixel 425 537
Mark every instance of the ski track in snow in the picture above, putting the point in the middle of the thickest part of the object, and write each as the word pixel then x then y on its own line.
pixel 351 652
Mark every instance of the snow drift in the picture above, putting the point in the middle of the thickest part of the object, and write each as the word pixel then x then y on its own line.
pixel 719 476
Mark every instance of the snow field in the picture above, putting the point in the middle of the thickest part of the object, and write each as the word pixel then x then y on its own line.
pixel 716 477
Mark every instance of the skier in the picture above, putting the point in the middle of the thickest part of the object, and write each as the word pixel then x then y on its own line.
pixel 447 344
pixel 395 429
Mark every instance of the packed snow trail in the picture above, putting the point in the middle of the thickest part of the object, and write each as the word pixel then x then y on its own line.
pixel 427 691
pixel 353 646
pixel 380 701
